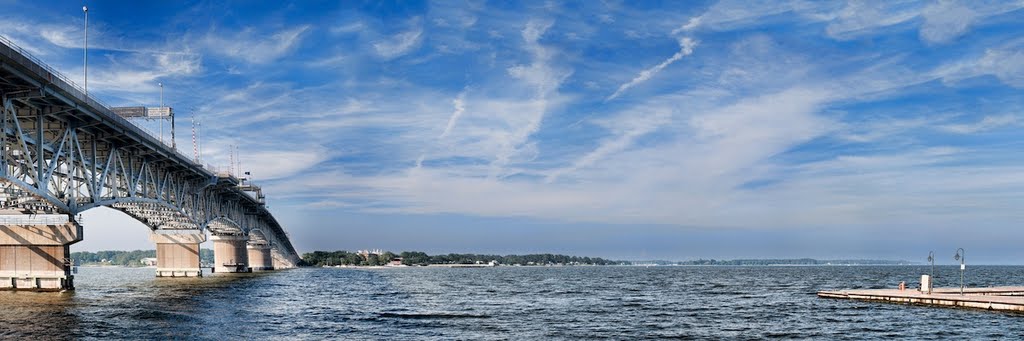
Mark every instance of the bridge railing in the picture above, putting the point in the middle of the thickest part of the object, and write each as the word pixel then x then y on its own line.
pixel 153 134
pixel 26 60
pixel 33 219
pixel 22 56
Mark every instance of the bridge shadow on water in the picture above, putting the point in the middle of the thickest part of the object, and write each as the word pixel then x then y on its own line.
pixel 34 315
pixel 131 303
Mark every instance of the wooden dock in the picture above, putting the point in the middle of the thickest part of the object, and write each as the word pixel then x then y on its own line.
pixel 994 298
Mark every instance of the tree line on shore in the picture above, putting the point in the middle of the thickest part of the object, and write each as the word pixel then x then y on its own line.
pixel 329 258
pixel 125 258
pixel 766 262
pixel 321 258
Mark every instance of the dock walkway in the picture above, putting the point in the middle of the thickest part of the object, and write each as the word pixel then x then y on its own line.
pixel 994 298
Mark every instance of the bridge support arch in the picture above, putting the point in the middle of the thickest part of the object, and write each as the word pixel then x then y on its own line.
pixel 177 255
pixel 230 254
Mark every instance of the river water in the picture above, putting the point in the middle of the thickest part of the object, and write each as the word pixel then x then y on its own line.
pixel 502 303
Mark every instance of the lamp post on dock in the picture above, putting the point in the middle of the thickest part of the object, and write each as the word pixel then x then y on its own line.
pixel 961 256
pixel 931 260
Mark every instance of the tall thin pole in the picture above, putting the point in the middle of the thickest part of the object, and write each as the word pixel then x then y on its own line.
pixel 161 108
pixel 931 260
pixel 195 148
pixel 963 259
pixel 200 141
pixel 238 160
pixel 961 256
pixel 85 60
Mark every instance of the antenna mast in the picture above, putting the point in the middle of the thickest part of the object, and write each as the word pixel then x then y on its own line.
pixel 200 141
pixel 174 144
pixel 195 148
pixel 238 160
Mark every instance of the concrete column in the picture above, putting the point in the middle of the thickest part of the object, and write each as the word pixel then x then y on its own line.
pixel 230 254
pixel 177 255
pixel 37 257
pixel 260 258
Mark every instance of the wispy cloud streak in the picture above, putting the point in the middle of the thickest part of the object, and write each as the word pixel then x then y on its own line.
pixel 398 45
pixel 686 46
pixel 460 107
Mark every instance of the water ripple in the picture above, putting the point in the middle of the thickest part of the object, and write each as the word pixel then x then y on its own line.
pixel 501 303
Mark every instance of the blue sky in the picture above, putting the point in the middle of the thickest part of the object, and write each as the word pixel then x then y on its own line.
pixel 630 130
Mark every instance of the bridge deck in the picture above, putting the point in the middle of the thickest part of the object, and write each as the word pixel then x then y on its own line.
pixel 1009 298
pixel 14 59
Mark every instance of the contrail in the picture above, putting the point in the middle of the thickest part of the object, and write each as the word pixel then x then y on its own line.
pixel 686 46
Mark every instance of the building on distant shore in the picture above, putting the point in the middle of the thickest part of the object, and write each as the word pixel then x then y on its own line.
pixel 148 261
pixel 397 261
pixel 366 253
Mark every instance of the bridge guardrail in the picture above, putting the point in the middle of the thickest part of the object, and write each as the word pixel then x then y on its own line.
pixel 24 54
pixel 26 60
pixel 33 219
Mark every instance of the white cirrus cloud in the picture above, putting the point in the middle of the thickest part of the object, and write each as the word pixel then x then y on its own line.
pixel 254 47
pixel 460 107
pixel 946 20
pixel 1005 62
pixel 986 123
pixel 686 46
pixel 399 44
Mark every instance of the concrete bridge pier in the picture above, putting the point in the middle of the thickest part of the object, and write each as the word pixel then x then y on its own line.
pixel 177 255
pixel 280 260
pixel 260 258
pixel 37 257
pixel 230 254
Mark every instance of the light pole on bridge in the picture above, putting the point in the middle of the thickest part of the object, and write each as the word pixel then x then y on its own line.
pixel 85 60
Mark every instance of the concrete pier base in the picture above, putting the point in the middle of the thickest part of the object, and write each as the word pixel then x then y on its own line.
pixel 38 257
pixel 177 255
pixel 260 258
pixel 230 254
pixel 280 260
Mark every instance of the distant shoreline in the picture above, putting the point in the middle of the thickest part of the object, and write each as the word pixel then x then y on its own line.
pixel 418 258
pixel 777 262
pixel 612 265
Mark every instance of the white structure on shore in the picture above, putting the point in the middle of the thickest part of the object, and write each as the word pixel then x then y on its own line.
pixel 366 253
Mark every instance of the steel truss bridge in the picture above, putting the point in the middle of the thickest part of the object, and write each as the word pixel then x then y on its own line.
pixel 65 153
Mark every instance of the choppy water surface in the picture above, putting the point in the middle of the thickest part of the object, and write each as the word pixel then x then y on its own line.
pixel 501 303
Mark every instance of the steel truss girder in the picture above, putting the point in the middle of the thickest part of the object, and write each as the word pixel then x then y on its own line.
pixel 54 161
